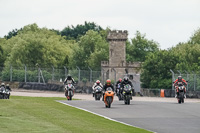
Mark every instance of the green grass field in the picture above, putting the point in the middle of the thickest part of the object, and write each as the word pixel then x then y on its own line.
pixel 45 115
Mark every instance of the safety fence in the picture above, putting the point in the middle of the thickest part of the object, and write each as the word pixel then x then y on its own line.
pixel 193 79
pixel 46 74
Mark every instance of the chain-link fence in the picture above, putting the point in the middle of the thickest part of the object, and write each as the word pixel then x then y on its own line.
pixel 46 75
pixel 193 79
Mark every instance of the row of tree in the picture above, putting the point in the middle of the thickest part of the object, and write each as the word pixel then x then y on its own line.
pixel 86 45
pixel 183 57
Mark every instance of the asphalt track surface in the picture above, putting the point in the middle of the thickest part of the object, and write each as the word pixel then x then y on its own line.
pixel 160 117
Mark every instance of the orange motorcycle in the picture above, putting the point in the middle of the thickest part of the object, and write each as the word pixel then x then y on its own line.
pixel 108 97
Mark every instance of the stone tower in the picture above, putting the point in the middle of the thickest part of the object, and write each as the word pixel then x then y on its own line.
pixel 117 48
pixel 117 67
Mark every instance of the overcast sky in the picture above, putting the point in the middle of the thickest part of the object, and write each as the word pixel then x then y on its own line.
pixel 167 22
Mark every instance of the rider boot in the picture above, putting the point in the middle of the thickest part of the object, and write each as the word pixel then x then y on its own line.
pixel 176 92
pixel 66 93
pixel 103 97
pixel 184 92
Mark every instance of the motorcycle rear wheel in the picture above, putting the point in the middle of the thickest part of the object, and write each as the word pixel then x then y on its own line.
pixel 182 100
pixel 179 101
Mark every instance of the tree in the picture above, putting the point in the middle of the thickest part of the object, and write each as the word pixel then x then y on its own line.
pixel 91 50
pixel 156 69
pixel 140 47
pixel 195 38
pixel 2 51
pixel 184 57
pixel 12 33
pixel 79 30
pixel 34 46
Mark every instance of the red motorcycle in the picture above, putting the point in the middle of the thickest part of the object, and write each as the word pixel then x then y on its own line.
pixel 181 90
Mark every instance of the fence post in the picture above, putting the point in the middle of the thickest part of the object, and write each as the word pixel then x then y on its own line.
pixel 172 79
pixel 52 73
pixel 194 80
pixel 90 74
pixel 65 72
pixel 38 74
pixel 10 72
pixel 187 79
pixel 179 72
pixel 25 74
pixel 78 73
pixel 42 76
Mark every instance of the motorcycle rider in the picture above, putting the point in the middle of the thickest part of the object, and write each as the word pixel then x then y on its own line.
pixel 108 84
pixel 125 82
pixel 68 80
pixel 97 83
pixel 116 85
pixel 183 82
pixel 3 85
pixel 8 87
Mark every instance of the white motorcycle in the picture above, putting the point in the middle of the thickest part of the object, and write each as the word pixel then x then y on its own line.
pixel 69 88
pixel 97 92
pixel 2 92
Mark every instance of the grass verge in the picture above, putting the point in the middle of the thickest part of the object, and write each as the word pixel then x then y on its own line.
pixel 45 115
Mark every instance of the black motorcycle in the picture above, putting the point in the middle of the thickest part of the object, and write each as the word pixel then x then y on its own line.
pixel 181 96
pixel 97 92
pixel 127 93
pixel 119 92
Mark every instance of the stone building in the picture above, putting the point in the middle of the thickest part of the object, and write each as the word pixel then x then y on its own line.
pixel 117 67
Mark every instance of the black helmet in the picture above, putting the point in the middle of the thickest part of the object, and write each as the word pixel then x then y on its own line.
pixel 179 78
pixel 126 79
pixel 69 76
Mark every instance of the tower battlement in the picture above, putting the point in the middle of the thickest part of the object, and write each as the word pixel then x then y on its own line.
pixel 117 35
pixel 104 63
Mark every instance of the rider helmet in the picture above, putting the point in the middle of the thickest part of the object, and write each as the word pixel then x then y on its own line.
pixel 97 82
pixel 120 80
pixel 108 82
pixel 179 79
pixel 126 79
pixel 69 76
pixel 2 84
pixel 7 84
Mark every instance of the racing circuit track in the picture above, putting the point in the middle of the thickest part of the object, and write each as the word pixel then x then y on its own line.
pixel 160 117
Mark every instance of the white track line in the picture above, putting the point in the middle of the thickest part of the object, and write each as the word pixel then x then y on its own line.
pixel 102 116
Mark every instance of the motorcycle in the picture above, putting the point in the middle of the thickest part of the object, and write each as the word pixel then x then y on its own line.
pixel 181 96
pixel 97 92
pixel 127 93
pixel 2 92
pixel 69 91
pixel 180 92
pixel 108 97
pixel 119 92
pixel 7 94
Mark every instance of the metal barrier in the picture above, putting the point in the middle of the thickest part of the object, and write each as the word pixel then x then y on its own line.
pixel 192 78
pixel 46 75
